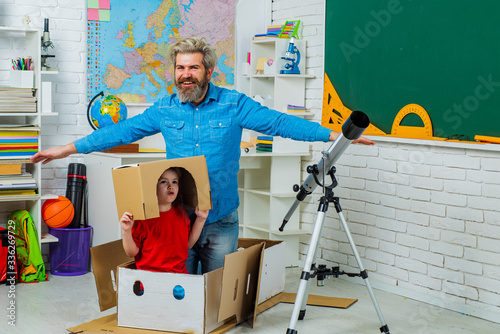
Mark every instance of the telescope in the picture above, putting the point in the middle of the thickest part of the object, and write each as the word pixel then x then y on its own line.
pixel 352 129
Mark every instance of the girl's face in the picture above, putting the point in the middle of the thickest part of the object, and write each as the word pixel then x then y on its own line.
pixel 167 187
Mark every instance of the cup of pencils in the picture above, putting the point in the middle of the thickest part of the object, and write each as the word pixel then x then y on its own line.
pixel 21 74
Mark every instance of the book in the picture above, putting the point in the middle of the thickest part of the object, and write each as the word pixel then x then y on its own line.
pixel 17 192
pixel 14 183
pixel 264 145
pixel 264 149
pixel 270 138
pixel 267 142
pixel 10 169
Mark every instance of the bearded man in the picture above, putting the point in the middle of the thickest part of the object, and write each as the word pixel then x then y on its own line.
pixel 202 119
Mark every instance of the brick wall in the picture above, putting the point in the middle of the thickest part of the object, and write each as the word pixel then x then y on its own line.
pixel 425 218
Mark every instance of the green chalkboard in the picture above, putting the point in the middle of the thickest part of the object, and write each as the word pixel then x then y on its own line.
pixel 443 55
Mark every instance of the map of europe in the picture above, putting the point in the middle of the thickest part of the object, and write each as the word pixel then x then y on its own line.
pixel 127 55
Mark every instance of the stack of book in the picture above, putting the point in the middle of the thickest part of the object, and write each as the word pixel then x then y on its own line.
pixel 292 108
pixel 18 140
pixel 264 143
pixel 17 100
pixel 21 184
pixel 274 30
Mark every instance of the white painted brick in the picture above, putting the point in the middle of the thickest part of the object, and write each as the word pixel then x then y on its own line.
pixel 382 235
pixel 439 197
pixel 492 217
pixel 400 274
pixel 426 183
pixel 483 203
pixel 481 256
pixel 488 297
pixel 488 244
pixel 467 214
pixel 491 190
pixel 364 173
pixel 463 265
pixel 379 257
pixel 410 265
pixel 429 208
pixel 481 176
pixel 455 276
pixel 425 281
pixel 461 187
pixel 409 168
pixel 394 248
pixel 461 161
pixel 482 282
pixel 391 224
pixel 459 238
pixel 413 217
pixel 385 188
pixel 395 202
pixel 412 241
pixel 365 196
pixel 393 178
pixel 491 164
pixel 482 229
pixel 425 232
pixel 380 211
pixel 460 290
pixel 446 173
pixel 413 193
pixel 492 271
pixel 446 249
pixel 427 257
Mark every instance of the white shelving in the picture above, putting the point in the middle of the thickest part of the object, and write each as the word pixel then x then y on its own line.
pixel 283 88
pixel 25 43
pixel 265 184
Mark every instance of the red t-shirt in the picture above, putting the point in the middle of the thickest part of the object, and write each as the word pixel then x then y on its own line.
pixel 163 241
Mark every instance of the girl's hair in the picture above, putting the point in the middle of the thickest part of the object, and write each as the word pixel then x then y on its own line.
pixel 193 45
pixel 177 171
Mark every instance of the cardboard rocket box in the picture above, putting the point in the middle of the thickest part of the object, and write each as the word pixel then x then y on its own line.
pixel 209 303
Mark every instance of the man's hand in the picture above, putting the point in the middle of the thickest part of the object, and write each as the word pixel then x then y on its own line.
pixel 54 153
pixel 360 140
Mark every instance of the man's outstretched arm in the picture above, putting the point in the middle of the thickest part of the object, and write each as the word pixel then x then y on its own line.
pixel 50 154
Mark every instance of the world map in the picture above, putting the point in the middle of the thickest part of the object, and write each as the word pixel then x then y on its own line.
pixel 127 55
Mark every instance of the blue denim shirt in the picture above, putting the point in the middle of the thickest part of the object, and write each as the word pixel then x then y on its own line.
pixel 212 129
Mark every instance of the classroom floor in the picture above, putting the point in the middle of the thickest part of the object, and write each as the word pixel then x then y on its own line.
pixel 63 302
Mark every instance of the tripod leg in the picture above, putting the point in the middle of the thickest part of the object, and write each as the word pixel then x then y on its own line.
pixel 299 307
pixel 384 328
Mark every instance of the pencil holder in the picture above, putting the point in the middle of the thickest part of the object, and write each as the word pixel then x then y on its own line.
pixel 22 79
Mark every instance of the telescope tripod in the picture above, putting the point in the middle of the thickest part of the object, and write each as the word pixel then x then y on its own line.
pixel 310 270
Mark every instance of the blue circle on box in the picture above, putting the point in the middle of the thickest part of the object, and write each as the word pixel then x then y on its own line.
pixel 179 292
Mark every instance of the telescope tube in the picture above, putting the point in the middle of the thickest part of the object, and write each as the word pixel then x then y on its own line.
pixel 352 129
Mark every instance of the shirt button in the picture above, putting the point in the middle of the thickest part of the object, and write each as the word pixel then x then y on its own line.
pixel 220 124
pixel 196 144
pixel 197 126
pixel 196 109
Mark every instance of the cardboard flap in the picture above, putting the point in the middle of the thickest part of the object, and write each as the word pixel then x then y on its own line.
pixel 240 283
pixel 105 260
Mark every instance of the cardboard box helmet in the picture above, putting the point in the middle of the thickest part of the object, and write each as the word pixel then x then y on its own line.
pixel 135 186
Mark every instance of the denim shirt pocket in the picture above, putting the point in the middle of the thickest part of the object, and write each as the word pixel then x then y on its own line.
pixel 174 131
pixel 220 130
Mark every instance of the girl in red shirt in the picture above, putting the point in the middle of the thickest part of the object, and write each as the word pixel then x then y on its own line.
pixel 161 244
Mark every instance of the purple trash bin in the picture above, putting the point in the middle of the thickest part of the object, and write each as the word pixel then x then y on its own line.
pixel 70 256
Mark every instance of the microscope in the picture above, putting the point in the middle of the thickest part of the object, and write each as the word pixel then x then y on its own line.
pixel 292 56
pixel 46 44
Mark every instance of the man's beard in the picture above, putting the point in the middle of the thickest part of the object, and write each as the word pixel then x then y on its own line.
pixel 192 93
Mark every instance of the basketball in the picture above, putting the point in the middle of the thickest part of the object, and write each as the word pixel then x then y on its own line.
pixel 58 213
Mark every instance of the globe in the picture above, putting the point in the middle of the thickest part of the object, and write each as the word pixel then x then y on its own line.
pixel 105 111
